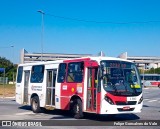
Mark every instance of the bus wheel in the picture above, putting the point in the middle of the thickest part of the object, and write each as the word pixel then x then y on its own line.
pixel 159 85
pixel 35 105
pixel 77 109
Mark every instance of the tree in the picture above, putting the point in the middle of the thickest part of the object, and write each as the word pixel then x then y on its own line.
pixel 151 71
pixel 10 68
pixel 157 70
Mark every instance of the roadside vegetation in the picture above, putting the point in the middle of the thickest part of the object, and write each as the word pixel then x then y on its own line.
pixel 151 71
pixel 7 90
pixel 10 69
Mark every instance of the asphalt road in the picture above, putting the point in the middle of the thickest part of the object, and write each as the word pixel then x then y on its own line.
pixel 10 110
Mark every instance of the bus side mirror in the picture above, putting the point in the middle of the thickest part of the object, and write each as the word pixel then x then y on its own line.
pixel 99 79
pixel 102 70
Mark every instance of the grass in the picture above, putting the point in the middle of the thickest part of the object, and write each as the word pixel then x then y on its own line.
pixel 7 90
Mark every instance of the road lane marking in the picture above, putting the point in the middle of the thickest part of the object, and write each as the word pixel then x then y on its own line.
pixel 145 92
pixel 146 88
pixel 25 113
pixel 152 101
pixel 146 99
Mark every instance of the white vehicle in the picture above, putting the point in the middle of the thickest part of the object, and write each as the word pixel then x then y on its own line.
pixel 152 80
pixel 100 85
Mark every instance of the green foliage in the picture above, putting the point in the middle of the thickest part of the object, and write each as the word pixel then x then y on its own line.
pixel 10 68
pixel 157 70
pixel 151 71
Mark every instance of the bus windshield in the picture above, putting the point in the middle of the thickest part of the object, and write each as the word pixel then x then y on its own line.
pixel 121 78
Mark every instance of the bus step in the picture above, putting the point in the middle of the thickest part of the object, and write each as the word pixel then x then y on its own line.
pixel 49 107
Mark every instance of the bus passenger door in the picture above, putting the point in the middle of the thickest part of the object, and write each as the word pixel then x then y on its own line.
pixel 92 90
pixel 50 93
pixel 26 84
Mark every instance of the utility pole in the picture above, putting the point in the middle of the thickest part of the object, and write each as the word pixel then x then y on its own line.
pixel 42 33
pixel 13 63
pixel 3 83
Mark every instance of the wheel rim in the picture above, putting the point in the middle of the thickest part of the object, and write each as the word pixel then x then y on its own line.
pixel 35 104
pixel 77 109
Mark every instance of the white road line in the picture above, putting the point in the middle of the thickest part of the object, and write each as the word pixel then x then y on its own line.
pixel 146 99
pixel 25 113
pixel 152 101
pixel 145 92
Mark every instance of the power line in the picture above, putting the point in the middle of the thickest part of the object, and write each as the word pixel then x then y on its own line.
pixel 5 47
pixel 100 22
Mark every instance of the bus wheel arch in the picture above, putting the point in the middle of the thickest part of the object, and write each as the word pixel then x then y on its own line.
pixel 35 103
pixel 76 107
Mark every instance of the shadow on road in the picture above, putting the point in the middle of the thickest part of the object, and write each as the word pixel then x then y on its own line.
pixel 59 114
pixel 118 117
pixel 25 107
pixel 145 106
pixel 96 117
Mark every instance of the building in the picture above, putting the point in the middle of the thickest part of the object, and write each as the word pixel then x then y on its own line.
pixel 144 62
pixel 26 57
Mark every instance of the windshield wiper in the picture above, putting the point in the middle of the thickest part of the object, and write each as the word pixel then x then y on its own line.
pixel 115 89
pixel 127 93
pixel 125 85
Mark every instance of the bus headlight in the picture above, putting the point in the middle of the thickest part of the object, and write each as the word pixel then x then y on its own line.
pixel 109 100
pixel 140 100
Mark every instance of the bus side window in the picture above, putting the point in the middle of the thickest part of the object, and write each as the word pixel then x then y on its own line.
pixel 75 72
pixel 37 74
pixel 61 72
pixel 19 75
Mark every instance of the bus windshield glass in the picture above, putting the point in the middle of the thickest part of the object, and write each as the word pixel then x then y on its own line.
pixel 121 78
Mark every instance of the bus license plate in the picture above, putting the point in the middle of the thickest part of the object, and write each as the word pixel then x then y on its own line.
pixel 131 98
pixel 126 108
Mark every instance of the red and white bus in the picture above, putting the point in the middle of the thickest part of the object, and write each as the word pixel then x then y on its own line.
pixel 100 85
pixel 150 80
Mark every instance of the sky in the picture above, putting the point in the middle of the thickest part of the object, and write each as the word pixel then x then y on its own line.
pixel 80 27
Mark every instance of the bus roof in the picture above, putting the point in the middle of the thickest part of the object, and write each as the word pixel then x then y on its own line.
pixel 97 58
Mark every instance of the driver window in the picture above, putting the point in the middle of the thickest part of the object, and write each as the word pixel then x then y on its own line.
pixel 131 76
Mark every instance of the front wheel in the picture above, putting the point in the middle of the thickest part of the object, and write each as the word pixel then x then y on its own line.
pixel 35 105
pixel 76 109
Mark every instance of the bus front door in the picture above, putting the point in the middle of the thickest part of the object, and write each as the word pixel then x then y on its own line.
pixel 50 92
pixel 92 90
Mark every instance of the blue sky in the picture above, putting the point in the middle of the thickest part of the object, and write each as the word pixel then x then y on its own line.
pixel 20 26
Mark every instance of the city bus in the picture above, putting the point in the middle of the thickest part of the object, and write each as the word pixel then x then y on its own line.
pixel 150 80
pixel 100 85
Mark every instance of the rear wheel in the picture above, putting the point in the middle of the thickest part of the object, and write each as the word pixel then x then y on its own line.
pixel 76 109
pixel 35 104
pixel 159 85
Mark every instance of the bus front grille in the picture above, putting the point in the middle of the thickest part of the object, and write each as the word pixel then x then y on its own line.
pixel 126 103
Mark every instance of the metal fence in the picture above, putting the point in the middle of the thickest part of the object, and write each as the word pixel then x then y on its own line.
pixel 3 80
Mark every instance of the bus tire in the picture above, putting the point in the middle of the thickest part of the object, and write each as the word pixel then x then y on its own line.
pixel 159 85
pixel 76 109
pixel 35 105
